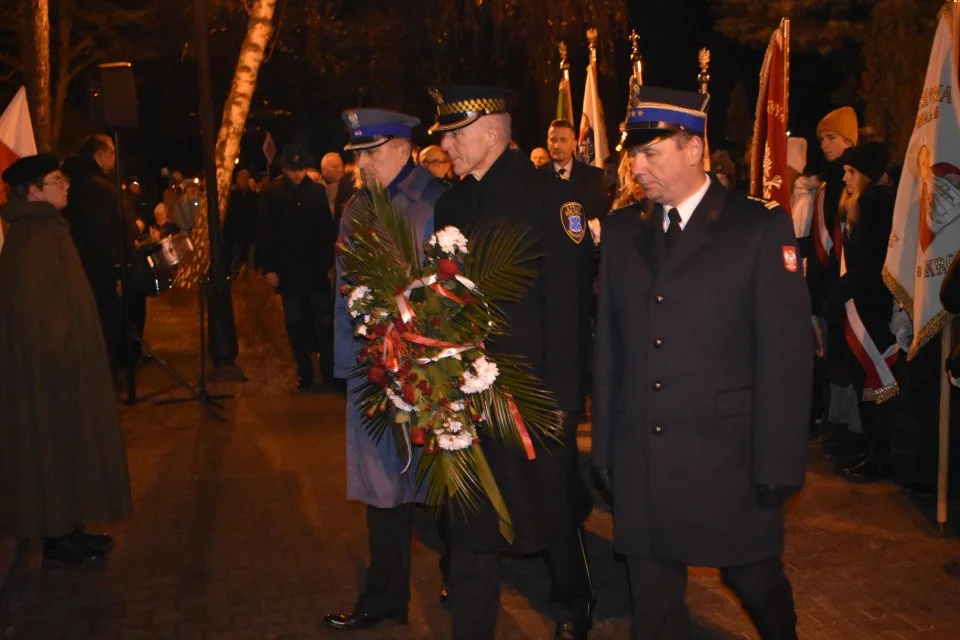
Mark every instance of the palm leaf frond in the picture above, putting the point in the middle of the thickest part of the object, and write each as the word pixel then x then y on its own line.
pixel 501 261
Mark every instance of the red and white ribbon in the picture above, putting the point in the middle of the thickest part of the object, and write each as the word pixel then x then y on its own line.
pixel 822 242
pixel 880 384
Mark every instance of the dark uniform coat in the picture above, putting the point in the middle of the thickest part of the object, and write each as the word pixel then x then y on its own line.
pixel 62 458
pixel 702 379
pixel 549 327
pixel 588 187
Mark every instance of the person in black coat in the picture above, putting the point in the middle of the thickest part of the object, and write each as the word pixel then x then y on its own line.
pixel 701 389
pixel 295 237
pixel 101 237
pixel 859 297
pixel 587 181
pixel 240 225
pixel 549 327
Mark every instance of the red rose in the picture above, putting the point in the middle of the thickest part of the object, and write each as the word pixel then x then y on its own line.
pixel 424 387
pixel 417 436
pixel 409 394
pixel 446 269
pixel 381 329
pixel 378 375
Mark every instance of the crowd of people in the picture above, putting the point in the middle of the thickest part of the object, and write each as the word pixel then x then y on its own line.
pixel 717 327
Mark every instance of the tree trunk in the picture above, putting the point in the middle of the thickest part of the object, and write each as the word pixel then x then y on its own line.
pixel 237 106
pixel 252 52
pixel 64 32
pixel 42 124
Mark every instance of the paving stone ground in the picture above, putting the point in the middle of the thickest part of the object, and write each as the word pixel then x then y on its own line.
pixel 241 531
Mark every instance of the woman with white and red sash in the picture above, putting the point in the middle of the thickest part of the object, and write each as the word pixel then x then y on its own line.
pixel 860 302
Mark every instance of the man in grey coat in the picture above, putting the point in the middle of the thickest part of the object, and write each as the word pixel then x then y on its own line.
pixel 702 388
pixel 381 140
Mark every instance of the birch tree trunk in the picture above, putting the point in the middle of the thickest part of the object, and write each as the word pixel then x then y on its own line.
pixel 235 110
pixel 252 53
pixel 40 58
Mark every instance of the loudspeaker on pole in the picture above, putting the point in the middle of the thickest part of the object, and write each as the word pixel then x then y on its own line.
pixel 112 96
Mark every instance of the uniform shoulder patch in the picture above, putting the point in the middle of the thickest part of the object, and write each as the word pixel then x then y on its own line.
pixel 769 204
pixel 790 262
pixel 573 221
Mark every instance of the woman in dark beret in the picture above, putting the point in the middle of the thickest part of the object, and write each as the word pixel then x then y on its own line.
pixel 62 457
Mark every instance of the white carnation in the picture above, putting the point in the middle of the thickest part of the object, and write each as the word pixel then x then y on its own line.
pixel 398 401
pixel 453 442
pixel 479 375
pixel 450 240
pixel 357 294
pixel 361 330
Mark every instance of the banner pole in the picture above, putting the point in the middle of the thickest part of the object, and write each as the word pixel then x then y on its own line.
pixel 943 467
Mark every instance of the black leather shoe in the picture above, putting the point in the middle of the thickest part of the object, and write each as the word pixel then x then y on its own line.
pixel 98 541
pixel 870 469
pixel 571 630
pixel 66 552
pixel 354 621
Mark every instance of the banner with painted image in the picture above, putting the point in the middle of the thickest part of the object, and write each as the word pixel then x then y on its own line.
pixel 926 233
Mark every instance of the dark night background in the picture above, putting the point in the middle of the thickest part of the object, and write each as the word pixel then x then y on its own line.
pixel 300 99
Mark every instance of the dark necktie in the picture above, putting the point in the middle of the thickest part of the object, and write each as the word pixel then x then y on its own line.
pixel 561 172
pixel 673 230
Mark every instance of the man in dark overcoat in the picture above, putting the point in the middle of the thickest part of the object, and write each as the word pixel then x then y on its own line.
pixel 548 327
pixel 587 180
pixel 381 140
pixel 295 237
pixel 62 457
pixel 101 237
pixel 702 383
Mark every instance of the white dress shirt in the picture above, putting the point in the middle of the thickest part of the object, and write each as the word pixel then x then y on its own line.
pixel 687 207
pixel 566 169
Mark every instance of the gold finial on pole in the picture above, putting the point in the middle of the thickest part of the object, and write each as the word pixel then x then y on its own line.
pixel 704 77
pixel 564 63
pixel 636 60
pixel 592 42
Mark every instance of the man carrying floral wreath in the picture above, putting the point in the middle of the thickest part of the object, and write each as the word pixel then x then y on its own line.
pixel 548 327
pixel 381 141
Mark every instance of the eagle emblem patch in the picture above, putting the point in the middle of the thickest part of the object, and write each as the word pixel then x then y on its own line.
pixel 790 258
pixel 572 219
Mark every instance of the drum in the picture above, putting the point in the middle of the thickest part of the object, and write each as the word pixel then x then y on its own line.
pixel 174 249
pixel 149 274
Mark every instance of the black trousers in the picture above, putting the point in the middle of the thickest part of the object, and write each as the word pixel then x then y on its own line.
pixel 306 316
pixel 657 588
pixel 474 582
pixel 387 588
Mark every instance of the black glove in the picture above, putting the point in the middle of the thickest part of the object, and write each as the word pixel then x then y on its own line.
pixel 603 477
pixel 773 496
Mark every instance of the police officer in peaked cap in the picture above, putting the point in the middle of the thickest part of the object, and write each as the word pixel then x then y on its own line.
pixel 381 141
pixel 701 377
pixel 546 497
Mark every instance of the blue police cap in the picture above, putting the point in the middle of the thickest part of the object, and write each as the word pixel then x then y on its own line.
pixel 370 128
pixel 655 114
pixel 460 105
